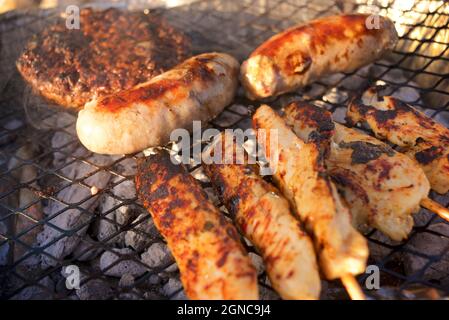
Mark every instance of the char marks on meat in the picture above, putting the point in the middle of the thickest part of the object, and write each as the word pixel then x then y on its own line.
pixel 113 51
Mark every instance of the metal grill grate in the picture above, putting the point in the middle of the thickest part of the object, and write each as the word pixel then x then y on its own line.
pixel 47 176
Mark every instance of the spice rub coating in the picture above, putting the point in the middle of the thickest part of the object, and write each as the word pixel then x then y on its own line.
pixel 207 248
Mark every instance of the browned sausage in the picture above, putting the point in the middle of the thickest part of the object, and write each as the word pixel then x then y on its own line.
pixel 307 52
pixel 212 261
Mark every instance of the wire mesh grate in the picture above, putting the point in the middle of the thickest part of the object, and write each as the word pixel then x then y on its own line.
pixel 61 205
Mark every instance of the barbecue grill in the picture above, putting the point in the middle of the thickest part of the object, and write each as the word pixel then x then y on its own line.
pixel 42 162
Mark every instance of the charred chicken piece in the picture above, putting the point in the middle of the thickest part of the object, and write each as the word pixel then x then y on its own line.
pixel 419 137
pixel 264 217
pixel 382 187
pixel 300 174
pixel 212 261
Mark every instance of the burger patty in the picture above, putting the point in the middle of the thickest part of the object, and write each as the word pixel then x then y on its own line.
pixel 113 50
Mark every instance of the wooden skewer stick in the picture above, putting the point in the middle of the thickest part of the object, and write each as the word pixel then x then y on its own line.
pixel 436 207
pixel 353 287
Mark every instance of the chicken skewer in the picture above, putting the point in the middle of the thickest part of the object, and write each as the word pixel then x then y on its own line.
pixel 382 187
pixel 264 217
pixel 418 136
pixel 298 170
pixel 206 246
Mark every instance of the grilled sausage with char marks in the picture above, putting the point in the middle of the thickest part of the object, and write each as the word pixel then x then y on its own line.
pixel 144 116
pixel 307 52
pixel 212 261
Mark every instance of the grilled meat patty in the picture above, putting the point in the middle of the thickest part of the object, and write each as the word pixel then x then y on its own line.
pixel 113 50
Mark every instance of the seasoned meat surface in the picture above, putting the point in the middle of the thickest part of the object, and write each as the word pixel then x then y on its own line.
pixel 382 187
pixel 146 115
pixel 113 50
pixel 264 217
pixel 420 137
pixel 306 52
pixel 207 248
pixel 300 174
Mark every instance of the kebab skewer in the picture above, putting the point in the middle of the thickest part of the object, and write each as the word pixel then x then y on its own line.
pixel 417 136
pixel 382 187
pixel 206 246
pixel 264 217
pixel 300 174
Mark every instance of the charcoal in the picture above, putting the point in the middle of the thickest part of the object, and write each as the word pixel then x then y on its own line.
pixel 127 167
pixel 339 115
pixel 124 266
pixel 173 290
pixel 4 253
pixel 443 118
pixel 149 295
pixel 157 255
pixel 95 289
pixel 142 234
pixel 423 217
pixel 154 279
pixel 72 218
pixel 420 292
pixel 28 201
pixel 173 268
pixel 431 245
pixel 384 293
pixel 5 248
pixel 379 251
pixel 132 295
pixel 35 292
pixel 11 125
pixel 63 140
pixel 122 215
pixel 87 249
pixel 127 280
pixel 335 293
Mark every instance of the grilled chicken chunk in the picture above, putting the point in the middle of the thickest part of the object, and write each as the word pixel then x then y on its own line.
pixel 212 261
pixel 299 172
pixel 419 136
pixel 264 217
pixel 304 53
pixel 382 187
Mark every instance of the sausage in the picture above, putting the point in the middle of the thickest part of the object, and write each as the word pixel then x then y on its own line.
pixel 144 116
pixel 420 137
pixel 382 187
pixel 300 174
pixel 206 246
pixel 263 215
pixel 307 52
